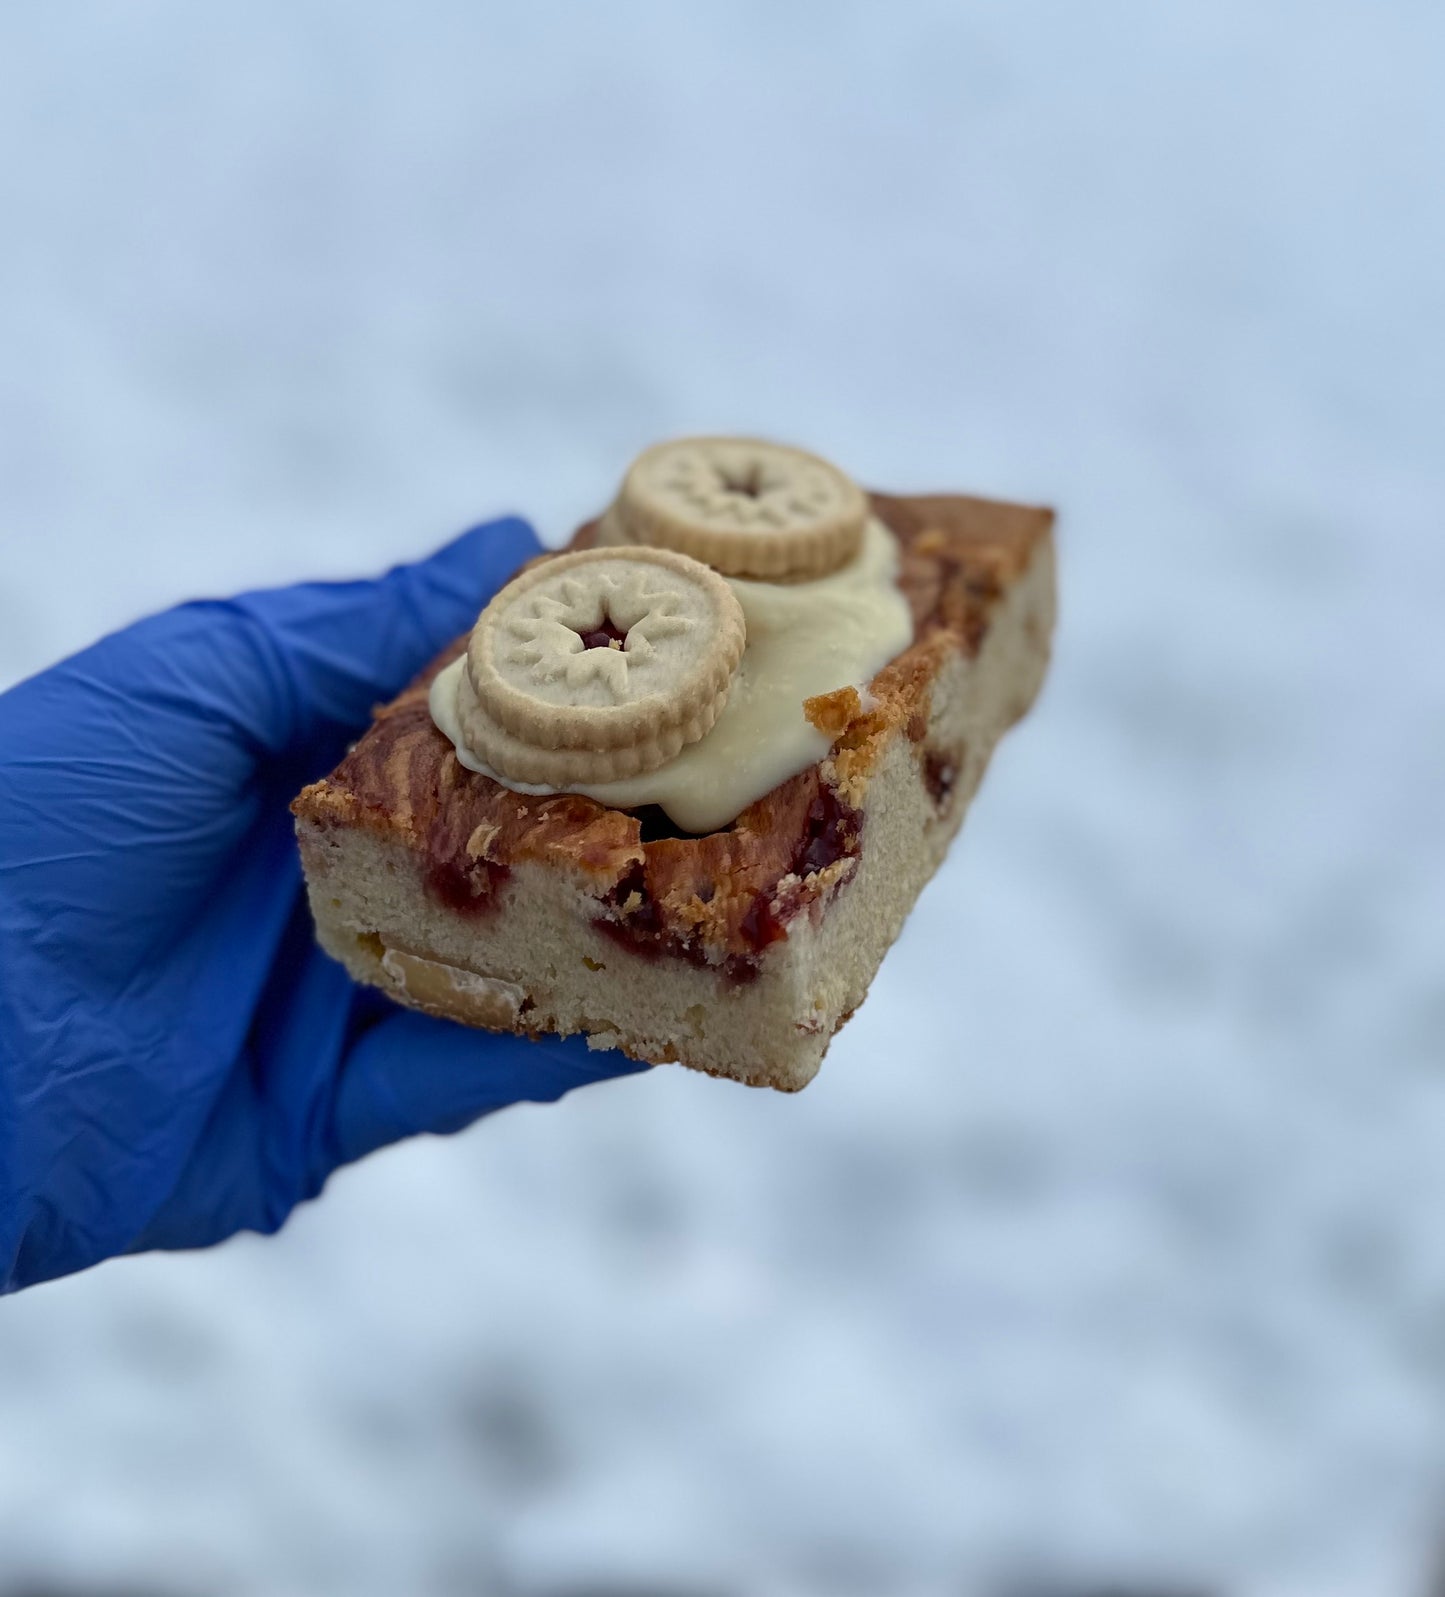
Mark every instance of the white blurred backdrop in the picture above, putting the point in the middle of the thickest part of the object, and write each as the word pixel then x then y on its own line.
pixel 1108 1250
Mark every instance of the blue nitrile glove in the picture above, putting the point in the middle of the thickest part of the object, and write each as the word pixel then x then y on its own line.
pixel 178 1060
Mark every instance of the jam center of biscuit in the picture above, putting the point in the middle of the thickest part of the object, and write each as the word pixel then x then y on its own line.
pixel 606 636
pixel 748 481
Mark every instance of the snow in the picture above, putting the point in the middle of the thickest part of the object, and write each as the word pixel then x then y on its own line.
pixel 1108 1245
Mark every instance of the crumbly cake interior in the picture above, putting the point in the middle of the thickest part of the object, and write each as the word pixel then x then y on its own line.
pixel 739 952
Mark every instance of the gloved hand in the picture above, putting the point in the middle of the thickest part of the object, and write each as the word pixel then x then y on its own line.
pixel 178 1060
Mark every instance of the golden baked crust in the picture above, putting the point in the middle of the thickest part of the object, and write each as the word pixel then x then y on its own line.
pixel 722 898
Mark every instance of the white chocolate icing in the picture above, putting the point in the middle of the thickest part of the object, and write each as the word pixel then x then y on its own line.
pixel 804 639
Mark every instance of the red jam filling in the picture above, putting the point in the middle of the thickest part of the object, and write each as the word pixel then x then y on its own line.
pixel 603 637
pixel 643 932
pixel 833 831
pixel 469 889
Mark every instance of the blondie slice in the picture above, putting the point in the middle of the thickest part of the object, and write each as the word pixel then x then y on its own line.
pixel 739 952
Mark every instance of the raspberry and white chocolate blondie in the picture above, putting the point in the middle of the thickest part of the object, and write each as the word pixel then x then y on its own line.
pixel 681 784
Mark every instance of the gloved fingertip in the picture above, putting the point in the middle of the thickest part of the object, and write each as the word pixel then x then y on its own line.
pixel 335 648
pixel 478 561
pixel 412 1073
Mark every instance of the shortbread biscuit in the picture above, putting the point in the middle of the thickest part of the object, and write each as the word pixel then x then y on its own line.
pixel 746 507
pixel 599 664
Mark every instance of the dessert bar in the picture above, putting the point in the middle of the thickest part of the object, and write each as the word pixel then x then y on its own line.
pixel 680 786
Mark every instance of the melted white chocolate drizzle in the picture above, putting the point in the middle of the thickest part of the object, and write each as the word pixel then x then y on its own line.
pixel 804 639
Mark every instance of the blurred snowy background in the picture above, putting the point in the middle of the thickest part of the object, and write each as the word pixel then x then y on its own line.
pixel 1108 1251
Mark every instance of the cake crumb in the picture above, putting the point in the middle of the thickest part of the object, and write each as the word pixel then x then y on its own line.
pixel 481 840
pixel 833 712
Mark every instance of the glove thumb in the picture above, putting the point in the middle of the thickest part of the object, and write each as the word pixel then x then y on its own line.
pixel 330 651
